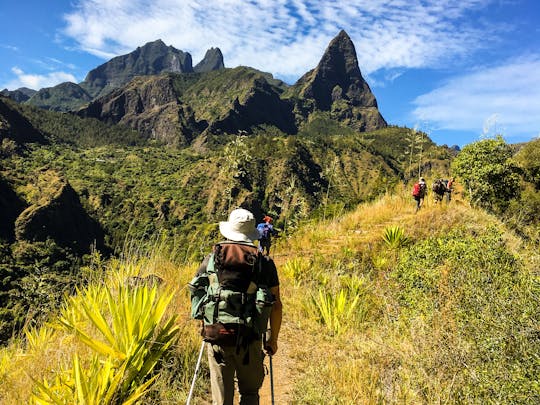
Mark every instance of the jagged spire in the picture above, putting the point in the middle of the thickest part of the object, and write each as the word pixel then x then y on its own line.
pixel 213 60
pixel 338 67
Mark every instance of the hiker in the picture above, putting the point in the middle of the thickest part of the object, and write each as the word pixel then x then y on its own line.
pixel 239 287
pixel 439 189
pixel 266 231
pixel 419 192
pixel 449 188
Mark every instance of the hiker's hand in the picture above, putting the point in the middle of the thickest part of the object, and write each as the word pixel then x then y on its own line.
pixel 271 347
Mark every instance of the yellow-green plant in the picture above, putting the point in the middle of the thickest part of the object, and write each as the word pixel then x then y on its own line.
pixel 99 383
pixel 394 237
pixel 336 311
pixel 297 269
pixel 128 334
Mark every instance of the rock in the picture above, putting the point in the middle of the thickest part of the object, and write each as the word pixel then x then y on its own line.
pixel 213 60
pixel 60 216
pixel 151 59
pixel 337 85
pixel 149 105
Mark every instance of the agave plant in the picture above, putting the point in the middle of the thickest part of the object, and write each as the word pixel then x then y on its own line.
pixel 336 310
pixel 394 237
pixel 128 335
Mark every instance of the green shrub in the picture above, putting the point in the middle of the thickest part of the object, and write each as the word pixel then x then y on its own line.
pixel 472 290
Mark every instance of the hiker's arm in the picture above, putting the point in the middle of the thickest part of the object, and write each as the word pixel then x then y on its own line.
pixel 275 320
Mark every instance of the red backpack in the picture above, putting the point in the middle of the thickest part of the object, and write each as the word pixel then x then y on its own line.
pixel 416 191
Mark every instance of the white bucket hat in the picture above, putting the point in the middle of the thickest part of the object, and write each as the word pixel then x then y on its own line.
pixel 240 227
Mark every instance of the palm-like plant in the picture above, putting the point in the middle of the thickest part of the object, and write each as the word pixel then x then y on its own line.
pixel 129 336
pixel 394 237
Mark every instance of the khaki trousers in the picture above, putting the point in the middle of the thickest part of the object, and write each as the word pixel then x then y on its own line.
pixel 225 362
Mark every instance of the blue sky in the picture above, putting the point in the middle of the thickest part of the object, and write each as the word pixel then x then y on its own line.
pixel 459 70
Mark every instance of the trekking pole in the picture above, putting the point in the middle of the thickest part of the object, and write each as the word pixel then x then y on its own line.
pixel 269 351
pixel 271 379
pixel 195 375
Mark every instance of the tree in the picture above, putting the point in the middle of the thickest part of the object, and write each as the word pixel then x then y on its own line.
pixel 528 158
pixel 488 173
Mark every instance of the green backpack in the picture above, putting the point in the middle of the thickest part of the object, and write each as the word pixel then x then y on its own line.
pixel 230 297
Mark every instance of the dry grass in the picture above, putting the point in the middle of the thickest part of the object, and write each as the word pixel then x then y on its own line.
pixel 382 358
pixel 385 353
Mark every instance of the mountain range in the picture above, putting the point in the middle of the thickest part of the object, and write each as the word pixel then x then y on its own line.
pixel 149 144
pixel 325 131
pixel 156 91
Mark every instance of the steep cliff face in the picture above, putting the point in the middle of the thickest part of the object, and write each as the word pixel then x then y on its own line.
pixel 151 59
pixel 213 60
pixel 176 110
pixel 15 126
pixel 337 85
pixel 60 216
pixel 150 105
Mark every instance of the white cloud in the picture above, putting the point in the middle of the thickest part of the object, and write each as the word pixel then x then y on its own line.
pixel 284 37
pixel 37 82
pixel 503 99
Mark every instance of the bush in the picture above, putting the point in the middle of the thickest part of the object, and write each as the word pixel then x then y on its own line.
pixel 473 292
pixel 488 173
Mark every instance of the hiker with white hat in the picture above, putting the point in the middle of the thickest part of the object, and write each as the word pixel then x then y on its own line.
pixel 235 293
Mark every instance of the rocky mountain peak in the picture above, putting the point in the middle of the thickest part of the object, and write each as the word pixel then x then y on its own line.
pixel 213 60
pixel 150 59
pixel 337 67
pixel 337 85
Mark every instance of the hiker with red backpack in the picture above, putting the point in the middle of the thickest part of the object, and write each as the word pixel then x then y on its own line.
pixel 235 293
pixel 419 193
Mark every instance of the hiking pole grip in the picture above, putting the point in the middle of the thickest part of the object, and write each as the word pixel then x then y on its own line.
pixel 195 375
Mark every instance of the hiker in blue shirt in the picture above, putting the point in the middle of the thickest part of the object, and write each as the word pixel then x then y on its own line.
pixel 266 231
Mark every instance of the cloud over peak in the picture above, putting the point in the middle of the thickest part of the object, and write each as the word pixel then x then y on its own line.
pixel 282 37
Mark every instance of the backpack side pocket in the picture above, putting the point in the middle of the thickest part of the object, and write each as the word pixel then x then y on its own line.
pixel 198 287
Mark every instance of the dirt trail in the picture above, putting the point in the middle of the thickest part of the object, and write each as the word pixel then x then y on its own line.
pixel 282 371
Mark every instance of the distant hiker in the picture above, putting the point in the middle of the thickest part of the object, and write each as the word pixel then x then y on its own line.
pixel 439 189
pixel 449 188
pixel 235 292
pixel 266 231
pixel 419 192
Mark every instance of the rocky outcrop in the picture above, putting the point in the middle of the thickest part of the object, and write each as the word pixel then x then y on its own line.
pixel 337 85
pixel 62 97
pixel 10 208
pixel 213 60
pixel 227 102
pixel 151 59
pixel 261 105
pixel 149 105
pixel 59 215
pixel 15 126
pixel 19 95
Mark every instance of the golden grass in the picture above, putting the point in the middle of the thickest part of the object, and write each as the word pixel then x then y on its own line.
pixel 379 359
pixel 372 358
